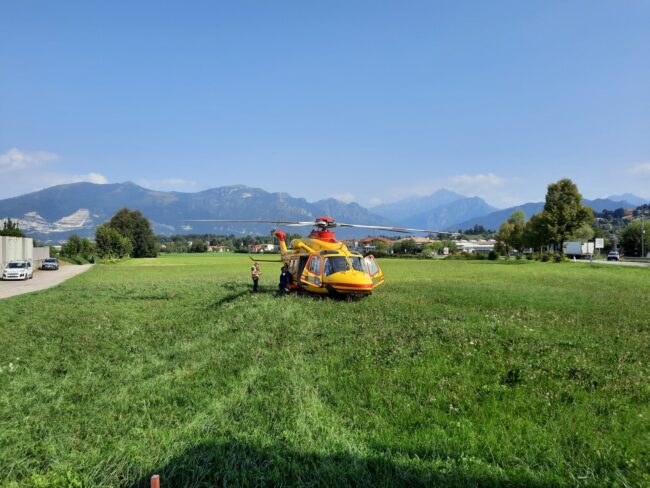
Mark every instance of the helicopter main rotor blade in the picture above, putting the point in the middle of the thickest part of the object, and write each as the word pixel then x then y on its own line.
pixel 288 223
pixel 404 230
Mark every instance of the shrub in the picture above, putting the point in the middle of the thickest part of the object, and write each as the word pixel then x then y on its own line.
pixel 545 257
pixel 493 255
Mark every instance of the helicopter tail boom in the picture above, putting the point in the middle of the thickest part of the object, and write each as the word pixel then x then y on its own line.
pixel 283 245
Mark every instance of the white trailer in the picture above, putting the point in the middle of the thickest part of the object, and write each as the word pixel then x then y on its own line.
pixel 578 249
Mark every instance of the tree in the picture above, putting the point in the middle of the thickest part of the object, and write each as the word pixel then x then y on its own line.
pixel 511 232
pixel 433 248
pixel 11 229
pixel 111 244
pixel 563 211
pixel 583 233
pixel 135 227
pixel 405 246
pixel 86 248
pixel 536 234
pixel 199 245
pixel 631 238
pixel 450 245
pixel 72 246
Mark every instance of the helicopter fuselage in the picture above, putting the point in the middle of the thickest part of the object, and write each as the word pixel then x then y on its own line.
pixel 323 265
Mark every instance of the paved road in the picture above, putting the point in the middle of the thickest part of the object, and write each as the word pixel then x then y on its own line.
pixel 41 280
pixel 616 263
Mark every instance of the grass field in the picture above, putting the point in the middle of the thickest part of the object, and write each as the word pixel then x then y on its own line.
pixel 456 373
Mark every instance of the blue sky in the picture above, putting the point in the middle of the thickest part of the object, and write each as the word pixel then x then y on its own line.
pixel 364 101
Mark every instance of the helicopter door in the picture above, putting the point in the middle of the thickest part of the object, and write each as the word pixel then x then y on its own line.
pixel 374 271
pixel 312 275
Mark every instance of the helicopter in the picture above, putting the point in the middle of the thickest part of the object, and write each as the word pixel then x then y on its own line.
pixel 321 264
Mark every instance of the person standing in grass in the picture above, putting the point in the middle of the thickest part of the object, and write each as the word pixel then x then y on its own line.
pixel 255 275
pixel 285 279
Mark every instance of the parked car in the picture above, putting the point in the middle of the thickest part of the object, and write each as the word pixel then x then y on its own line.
pixel 50 263
pixel 613 256
pixel 18 270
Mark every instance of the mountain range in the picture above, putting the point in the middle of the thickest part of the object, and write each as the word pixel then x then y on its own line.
pixel 54 213
pixel 494 219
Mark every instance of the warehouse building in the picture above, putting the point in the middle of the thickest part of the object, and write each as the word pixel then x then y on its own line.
pixel 22 248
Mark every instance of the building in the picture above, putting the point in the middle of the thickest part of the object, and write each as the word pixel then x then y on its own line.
pixel 21 248
pixel 366 244
pixel 480 246
pixel 419 241
pixel 218 249
pixel 262 248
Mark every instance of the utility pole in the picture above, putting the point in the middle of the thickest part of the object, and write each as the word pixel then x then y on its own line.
pixel 642 235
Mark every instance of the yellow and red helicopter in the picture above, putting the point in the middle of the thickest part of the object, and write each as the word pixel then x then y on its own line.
pixel 320 263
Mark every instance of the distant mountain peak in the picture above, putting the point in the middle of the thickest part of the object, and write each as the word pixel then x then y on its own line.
pixel 630 198
pixel 440 209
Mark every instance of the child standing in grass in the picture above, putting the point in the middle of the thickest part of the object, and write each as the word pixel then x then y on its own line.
pixel 255 275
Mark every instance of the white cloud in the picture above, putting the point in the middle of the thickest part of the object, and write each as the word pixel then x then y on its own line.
pixel 344 197
pixel 479 182
pixel 15 159
pixel 375 201
pixel 94 178
pixel 59 179
pixel 29 172
pixel 642 169
pixel 168 183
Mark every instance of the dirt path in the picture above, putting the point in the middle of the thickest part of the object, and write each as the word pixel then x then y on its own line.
pixel 41 280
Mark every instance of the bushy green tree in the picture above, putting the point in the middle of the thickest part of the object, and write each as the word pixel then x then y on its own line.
pixel 405 246
pixel 111 244
pixel 631 238
pixel 583 233
pixel 511 232
pixel 199 245
pixel 563 211
pixel 72 246
pixel 433 248
pixel 11 229
pixel 135 227
pixel 450 245
pixel 536 234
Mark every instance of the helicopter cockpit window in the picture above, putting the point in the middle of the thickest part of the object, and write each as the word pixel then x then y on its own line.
pixel 358 263
pixel 314 265
pixel 373 269
pixel 336 264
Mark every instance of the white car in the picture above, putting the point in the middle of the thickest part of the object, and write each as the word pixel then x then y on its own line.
pixel 18 270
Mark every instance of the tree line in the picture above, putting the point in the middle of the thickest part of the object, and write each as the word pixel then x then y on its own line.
pixel 127 234
pixel 564 218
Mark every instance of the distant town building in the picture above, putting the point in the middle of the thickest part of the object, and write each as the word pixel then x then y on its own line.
pixel 262 248
pixel 481 246
pixel 420 241
pixel 218 249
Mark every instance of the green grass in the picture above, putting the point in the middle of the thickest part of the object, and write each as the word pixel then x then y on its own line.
pixel 453 373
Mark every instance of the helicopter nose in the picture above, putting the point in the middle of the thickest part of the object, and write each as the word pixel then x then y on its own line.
pixel 350 281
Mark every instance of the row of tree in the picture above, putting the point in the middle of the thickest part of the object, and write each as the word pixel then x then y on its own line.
pixel 191 243
pixel 564 218
pixel 11 229
pixel 128 233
